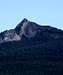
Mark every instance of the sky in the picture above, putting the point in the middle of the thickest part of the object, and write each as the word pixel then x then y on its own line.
pixel 43 12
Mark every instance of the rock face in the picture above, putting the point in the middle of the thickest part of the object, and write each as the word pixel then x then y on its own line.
pixel 31 49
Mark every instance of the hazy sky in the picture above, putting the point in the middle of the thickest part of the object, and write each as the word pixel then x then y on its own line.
pixel 40 11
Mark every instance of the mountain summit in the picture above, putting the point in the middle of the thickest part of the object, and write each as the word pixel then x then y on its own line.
pixel 30 30
pixel 23 28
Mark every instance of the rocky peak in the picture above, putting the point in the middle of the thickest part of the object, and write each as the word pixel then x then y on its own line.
pixel 18 27
pixel 26 28
pixel 30 29
pixel 24 20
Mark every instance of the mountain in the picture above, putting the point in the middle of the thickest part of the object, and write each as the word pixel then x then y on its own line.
pixel 29 30
pixel 31 49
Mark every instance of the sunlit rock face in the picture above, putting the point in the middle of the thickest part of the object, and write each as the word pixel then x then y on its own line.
pixel 10 36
